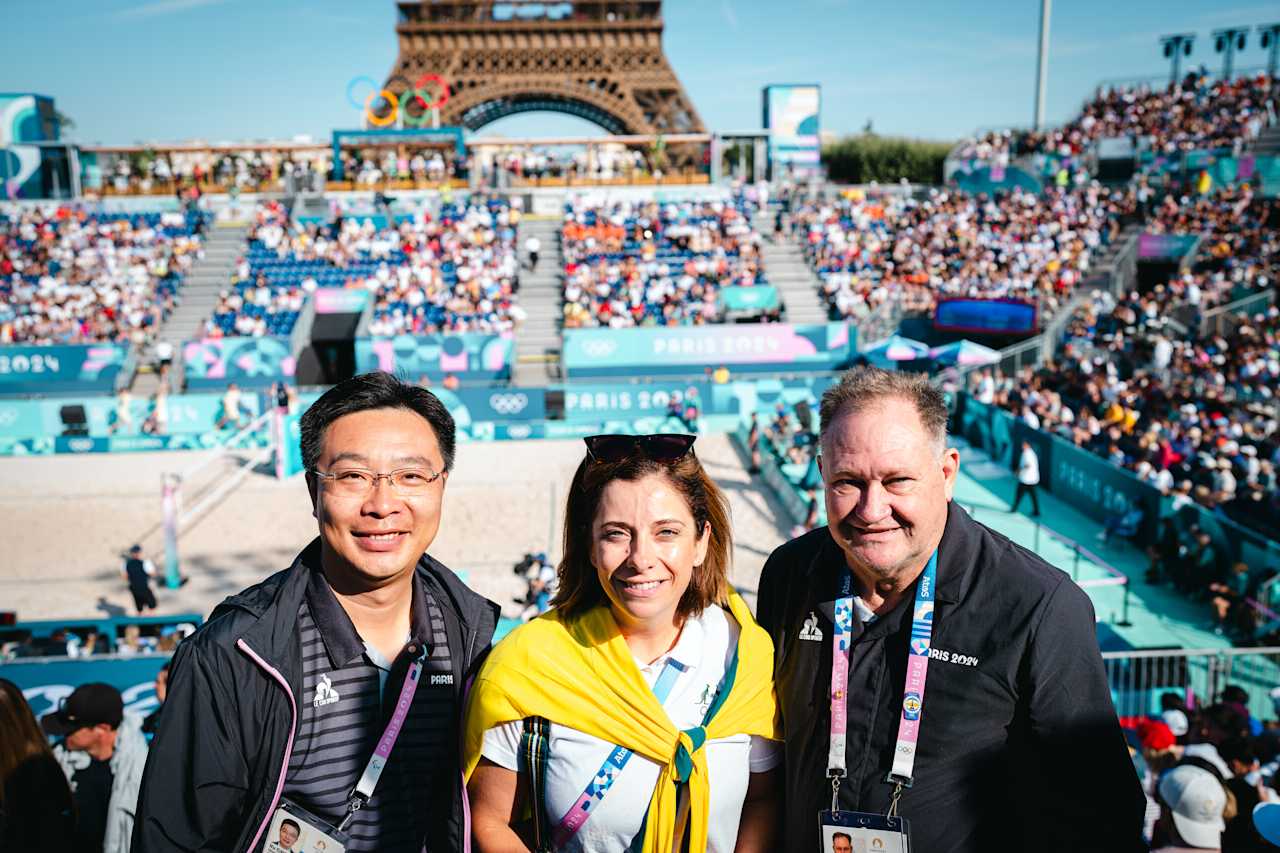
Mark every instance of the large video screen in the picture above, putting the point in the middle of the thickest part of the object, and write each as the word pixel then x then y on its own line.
pixel 991 316
pixel 791 115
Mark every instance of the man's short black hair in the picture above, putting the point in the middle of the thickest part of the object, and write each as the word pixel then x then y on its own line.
pixel 289 822
pixel 376 390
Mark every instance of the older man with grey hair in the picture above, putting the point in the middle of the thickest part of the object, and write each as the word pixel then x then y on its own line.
pixel 980 713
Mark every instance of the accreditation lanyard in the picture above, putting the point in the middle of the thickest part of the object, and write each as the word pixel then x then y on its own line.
pixel 364 789
pixel 612 766
pixel 904 753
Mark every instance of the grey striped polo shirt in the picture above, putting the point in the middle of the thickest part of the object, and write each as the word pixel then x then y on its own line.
pixel 346 701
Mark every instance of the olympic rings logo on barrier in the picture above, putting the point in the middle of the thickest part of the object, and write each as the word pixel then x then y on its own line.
pixel 384 98
pixel 508 404
pixel 599 349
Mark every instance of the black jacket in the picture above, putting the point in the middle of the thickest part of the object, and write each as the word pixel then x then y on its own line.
pixel 1019 748
pixel 216 768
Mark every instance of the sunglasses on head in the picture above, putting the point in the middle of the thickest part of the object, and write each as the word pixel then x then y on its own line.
pixel 663 447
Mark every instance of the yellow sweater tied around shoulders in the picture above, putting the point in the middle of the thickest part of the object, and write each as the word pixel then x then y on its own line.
pixel 580 673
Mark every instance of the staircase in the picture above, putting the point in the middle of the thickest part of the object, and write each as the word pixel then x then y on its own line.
pixel 1268 142
pixel 785 267
pixel 541 293
pixel 205 281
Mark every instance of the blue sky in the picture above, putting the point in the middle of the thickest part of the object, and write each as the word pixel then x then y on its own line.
pixel 167 70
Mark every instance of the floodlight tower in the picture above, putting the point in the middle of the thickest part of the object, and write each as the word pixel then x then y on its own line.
pixel 1175 47
pixel 1042 62
pixel 1269 36
pixel 1228 41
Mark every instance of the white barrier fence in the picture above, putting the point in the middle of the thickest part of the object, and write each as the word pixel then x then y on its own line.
pixel 1139 678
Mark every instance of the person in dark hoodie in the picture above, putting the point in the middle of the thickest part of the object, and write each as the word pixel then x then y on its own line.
pixel 331 691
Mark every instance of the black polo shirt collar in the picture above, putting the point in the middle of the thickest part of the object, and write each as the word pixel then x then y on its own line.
pixel 342 642
pixel 955 559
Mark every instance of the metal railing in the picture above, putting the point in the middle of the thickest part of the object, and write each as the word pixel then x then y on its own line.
pixel 1114 577
pixel 1215 320
pixel 1197 676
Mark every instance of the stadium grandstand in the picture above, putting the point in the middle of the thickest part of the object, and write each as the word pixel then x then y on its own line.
pixel 1103 294
pixel 674 264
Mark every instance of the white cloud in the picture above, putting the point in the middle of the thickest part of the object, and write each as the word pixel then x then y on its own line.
pixel 164 7
pixel 730 16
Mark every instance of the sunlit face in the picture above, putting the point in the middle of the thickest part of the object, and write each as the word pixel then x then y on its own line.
pixel 887 489
pixel 644 545
pixel 378 538
pixel 84 738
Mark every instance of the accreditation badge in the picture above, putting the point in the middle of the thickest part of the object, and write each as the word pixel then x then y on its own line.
pixel 293 829
pixel 860 832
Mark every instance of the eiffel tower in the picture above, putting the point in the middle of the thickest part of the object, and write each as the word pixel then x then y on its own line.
pixel 600 60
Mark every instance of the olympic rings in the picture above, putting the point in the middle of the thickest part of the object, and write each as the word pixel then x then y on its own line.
pixel 413 121
pixel 390 118
pixel 354 80
pixel 442 98
pixel 400 79
pixel 431 91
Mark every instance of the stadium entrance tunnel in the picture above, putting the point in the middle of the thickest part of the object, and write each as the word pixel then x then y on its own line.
pixel 491 110
pixel 330 356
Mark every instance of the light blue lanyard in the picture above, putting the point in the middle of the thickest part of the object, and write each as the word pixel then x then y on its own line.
pixel 612 766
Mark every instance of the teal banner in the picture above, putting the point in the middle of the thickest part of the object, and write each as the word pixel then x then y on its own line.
pixel 467 356
pixel 1165 247
pixel 1097 488
pixel 248 362
pixel 683 350
pixel 1087 482
pixel 45 682
pixel 651 399
pixel 60 369
pixel 188 414
pixel 745 300
pixel 289 446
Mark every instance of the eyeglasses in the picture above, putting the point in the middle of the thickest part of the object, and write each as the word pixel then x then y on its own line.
pixel 665 447
pixel 359 482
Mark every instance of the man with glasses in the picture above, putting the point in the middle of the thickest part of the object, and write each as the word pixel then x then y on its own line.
pixel 330 691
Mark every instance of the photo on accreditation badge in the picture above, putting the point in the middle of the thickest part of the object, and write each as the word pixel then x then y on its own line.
pixel 293 830
pixel 850 833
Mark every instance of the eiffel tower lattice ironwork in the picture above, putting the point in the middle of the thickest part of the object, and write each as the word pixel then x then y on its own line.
pixel 601 60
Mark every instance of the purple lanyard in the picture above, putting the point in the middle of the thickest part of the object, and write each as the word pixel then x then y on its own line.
pixel 364 789
pixel 904 753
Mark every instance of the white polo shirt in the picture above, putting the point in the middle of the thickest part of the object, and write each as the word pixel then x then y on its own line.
pixel 705 647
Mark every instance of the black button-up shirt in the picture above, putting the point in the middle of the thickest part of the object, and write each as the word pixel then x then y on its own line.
pixel 1019 746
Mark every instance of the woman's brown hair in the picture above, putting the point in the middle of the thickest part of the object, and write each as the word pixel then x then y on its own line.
pixel 20 735
pixel 580 588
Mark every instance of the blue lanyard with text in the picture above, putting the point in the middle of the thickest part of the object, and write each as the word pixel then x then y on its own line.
pixel 612 766
pixel 904 753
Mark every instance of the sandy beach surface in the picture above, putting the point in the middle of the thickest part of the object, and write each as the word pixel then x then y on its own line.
pixel 67 519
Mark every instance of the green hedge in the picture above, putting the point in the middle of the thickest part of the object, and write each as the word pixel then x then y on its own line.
pixel 887 159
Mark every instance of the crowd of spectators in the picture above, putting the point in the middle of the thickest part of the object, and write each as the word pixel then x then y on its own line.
pixel 273 171
pixel 533 165
pixel 1226 754
pixel 1195 416
pixel 1199 113
pixel 655 263
pixel 456 270
pixel 867 249
pixel 71 276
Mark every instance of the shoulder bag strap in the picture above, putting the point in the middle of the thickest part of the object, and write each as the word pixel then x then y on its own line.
pixel 534 745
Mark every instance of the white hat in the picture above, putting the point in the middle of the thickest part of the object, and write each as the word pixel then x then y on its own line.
pixel 1196 801
pixel 1176 721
